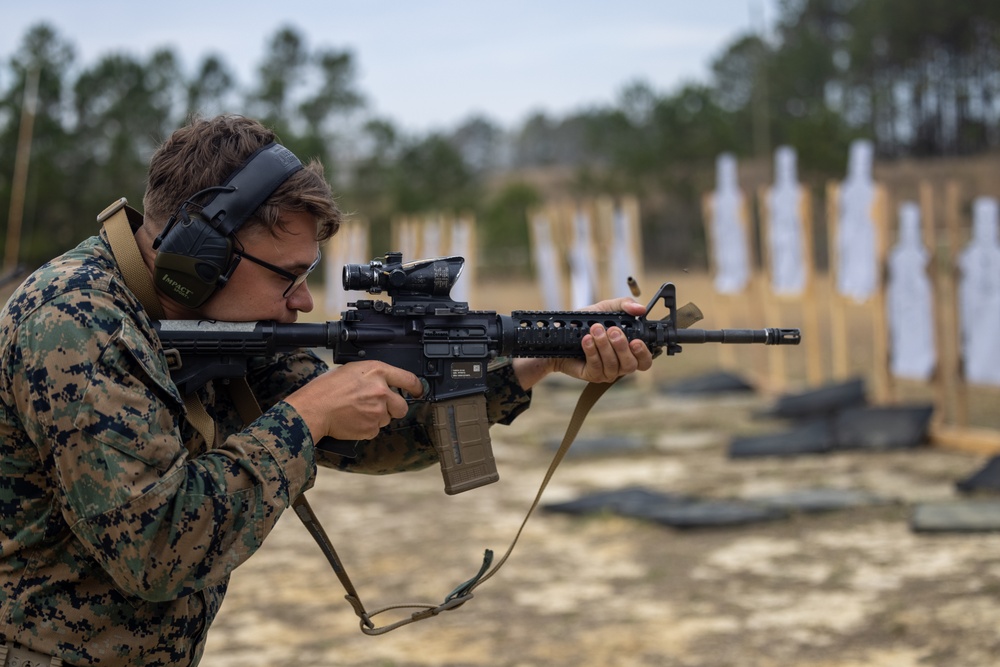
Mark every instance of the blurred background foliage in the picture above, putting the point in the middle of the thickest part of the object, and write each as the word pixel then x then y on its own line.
pixel 920 78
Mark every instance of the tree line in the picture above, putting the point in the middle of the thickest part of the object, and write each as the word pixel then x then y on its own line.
pixel 920 78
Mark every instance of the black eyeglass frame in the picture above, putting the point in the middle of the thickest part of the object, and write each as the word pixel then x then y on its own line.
pixel 294 280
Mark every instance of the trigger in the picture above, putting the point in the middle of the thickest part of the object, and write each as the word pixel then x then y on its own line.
pixel 423 396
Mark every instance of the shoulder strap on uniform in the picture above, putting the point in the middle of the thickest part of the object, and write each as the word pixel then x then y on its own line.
pixel 121 221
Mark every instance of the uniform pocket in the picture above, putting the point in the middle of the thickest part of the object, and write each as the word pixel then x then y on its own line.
pixel 130 402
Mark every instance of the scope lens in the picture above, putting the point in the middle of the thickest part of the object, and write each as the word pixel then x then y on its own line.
pixel 364 277
pixel 358 277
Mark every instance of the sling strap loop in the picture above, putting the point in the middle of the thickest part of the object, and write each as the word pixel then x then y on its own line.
pixel 588 398
pixel 249 410
pixel 464 592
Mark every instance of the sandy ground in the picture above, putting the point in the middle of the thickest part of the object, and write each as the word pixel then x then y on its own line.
pixel 848 588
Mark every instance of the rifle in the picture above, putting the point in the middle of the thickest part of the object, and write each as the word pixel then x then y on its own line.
pixel 421 329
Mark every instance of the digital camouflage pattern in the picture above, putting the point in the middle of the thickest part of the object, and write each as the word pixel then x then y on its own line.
pixel 119 528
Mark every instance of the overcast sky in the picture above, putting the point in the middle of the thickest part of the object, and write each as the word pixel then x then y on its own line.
pixel 428 64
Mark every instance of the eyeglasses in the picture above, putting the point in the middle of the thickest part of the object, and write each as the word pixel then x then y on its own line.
pixel 293 280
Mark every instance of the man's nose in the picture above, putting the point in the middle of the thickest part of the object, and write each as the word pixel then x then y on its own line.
pixel 301 299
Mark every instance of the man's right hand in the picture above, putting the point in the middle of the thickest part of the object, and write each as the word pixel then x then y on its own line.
pixel 354 401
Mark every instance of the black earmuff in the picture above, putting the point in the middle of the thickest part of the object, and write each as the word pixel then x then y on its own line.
pixel 194 255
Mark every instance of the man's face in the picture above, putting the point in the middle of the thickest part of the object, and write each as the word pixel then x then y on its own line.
pixel 255 292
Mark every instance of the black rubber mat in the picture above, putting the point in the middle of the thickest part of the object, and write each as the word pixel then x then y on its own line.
pixel 712 383
pixel 815 437
pixel 881 428
pixel 822 402
pixel 860 428
pixel 958 516
pixel 674 510
pixel 986 479
pixel 810 501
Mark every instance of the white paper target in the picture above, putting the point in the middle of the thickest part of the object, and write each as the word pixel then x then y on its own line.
pixel 622 264
pixel 788 270
pixel 583 279
pixel 857 269
pixel 910 301
pixel 979 296
pixel 732 260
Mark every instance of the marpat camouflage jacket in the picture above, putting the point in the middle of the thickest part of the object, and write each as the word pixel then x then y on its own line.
pixel 119 528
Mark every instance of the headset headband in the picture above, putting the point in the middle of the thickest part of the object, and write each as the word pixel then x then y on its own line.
pixel 272 165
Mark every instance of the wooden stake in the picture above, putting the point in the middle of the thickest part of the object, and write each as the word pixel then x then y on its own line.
pixel 952 362
pixel 19 185
pixel 810 305
pixel 940 379
pixel 838 307
pixel 881 384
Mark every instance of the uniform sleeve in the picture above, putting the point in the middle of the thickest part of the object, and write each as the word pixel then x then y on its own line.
pixel 96 399
pixel 273 378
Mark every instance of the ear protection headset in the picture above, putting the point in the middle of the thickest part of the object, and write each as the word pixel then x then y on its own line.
pixel 195 249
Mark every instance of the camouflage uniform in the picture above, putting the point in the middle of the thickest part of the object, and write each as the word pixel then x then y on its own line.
pixel 119 528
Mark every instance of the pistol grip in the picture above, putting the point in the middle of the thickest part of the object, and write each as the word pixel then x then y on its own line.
pixel 462 438
pixel 345 448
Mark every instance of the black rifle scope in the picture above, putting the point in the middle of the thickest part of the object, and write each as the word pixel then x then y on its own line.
pixel 425 277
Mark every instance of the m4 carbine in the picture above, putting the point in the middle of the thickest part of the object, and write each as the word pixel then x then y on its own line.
pixel 422 330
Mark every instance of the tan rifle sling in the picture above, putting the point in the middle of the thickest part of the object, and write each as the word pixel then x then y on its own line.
pixel 121 221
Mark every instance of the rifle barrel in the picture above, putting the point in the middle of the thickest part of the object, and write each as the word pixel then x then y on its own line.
pixel 770 336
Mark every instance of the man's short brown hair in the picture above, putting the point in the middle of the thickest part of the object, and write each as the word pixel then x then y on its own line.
pixel 205 152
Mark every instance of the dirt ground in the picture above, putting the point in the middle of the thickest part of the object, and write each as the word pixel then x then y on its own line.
pixel 848 588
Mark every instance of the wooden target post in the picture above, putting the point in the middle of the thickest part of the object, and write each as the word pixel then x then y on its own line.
pixel 619 236
pixel 939 381
pixel 552 236
pixel 547 256
pixel 19 182
pixel 349 246
pixel 406 237
pixel 955 405
pixel 951 428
